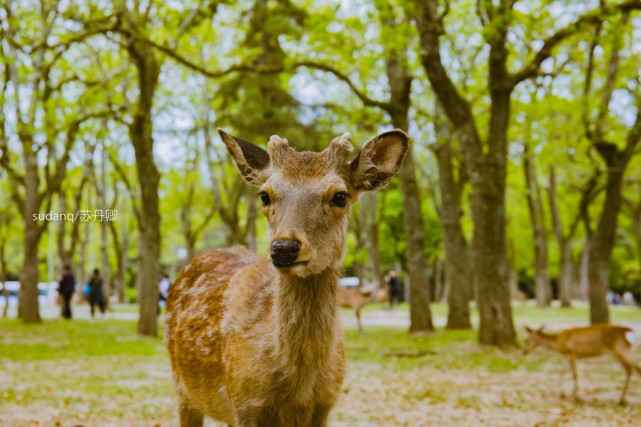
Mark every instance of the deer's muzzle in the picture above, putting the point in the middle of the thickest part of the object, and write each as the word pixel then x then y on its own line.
pixel 285 252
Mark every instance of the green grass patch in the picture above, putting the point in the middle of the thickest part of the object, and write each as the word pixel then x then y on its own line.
pixel 84 370
pixel 62 339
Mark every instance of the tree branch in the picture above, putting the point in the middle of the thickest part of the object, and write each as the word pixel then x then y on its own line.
pixel 130 189
pixel 594 17
pixel 370 102
pixel 53 184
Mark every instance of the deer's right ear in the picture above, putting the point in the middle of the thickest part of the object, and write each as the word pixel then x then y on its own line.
pixel 252 161
pixel 379 160
pixel 528 329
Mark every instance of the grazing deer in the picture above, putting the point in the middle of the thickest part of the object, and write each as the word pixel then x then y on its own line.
pixel 359 298
pixel 588 341
pixel 257 341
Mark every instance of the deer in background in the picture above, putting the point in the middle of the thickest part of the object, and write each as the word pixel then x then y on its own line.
pixel 588 341
pixel 359 298
pixel 257 340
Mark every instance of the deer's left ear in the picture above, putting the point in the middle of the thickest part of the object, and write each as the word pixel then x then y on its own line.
pixel 252 161
pixel 379 160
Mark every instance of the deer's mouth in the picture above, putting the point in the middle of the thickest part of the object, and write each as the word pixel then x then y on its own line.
pixel 284 265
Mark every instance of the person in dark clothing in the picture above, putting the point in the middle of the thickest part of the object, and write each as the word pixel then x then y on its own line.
pixel 394 288
pixel 96 297
pixel 66 286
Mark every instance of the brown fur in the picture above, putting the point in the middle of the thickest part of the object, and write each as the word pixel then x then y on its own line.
pixel 356 299
pixel 253 345
pixel 588 341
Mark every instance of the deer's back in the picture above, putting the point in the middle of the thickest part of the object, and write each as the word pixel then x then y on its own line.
pixel 594 340
pixel 352 298
pixel 193 321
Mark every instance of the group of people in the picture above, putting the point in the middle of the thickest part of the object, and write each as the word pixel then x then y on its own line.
pixel 92 292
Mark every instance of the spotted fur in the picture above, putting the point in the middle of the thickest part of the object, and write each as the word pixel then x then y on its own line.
pixel 253 345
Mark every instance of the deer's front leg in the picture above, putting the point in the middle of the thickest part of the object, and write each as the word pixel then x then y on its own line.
pixel 188 416
pixel 575 377
pixel 254 416
pixel 319 417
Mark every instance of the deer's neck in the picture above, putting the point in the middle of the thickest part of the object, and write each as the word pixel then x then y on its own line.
pixel 548 341
pixel 306 311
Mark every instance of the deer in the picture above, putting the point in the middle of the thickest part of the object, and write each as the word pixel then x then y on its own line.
pixel 358 298
pixel 588 341
pixel 257 340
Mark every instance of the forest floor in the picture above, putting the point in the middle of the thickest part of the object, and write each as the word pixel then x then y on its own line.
pixel 82 373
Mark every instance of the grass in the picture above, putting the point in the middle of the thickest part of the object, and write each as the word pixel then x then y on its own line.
pixel 83 370
pixel 101 373
pixel 528 312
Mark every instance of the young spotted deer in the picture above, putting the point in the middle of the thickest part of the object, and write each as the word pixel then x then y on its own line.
pixel 588 341
pixel 359 298
pixel 257 341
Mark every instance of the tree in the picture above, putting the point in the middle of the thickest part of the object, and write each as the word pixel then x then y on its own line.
pixel 486 157
pixel 535 207
pixel 399 88
pixel 45 124
pixel 134 23
pixel 599 131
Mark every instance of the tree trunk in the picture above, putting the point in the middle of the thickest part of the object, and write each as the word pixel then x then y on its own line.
pixel 486 165
pixel 583 283
pixel 149 267
pixel 123 263
pixel 420 313
pixel 566 273
pixel 542 284
pixel 495 312
pixel 28 307
pixel 358 221
pixel 369 203
pixel 636 222
pixel 457 257
pixel 3 276
pixel 438 280
pixel 564 242
pixel 101 185
pixel 141 135
pixel 602 243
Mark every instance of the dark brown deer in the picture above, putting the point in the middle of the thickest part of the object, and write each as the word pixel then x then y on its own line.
pixel 588 341
pixel 257 341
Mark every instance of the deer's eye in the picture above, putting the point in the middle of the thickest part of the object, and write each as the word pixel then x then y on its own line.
pixel 264 198
pixel 339 199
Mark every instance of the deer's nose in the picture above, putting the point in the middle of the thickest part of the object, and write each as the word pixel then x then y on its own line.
pixel 285 252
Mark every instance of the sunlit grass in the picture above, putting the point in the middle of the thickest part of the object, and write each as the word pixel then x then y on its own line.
pixel 528 311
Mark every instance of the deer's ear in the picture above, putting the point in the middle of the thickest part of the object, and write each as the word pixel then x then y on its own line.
pixel 379 160
pixel 528 329
pixel 252 161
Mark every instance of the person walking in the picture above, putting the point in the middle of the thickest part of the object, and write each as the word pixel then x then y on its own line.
pixel 96 297
pixel 163 291
pixel 394 288
pixel 66 287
